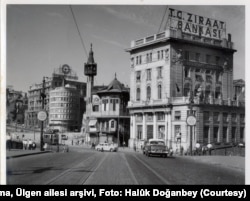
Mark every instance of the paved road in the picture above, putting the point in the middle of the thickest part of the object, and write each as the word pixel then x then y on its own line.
pixel 85 166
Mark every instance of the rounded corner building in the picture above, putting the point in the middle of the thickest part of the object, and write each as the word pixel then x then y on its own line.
pixel 64 108
pixel 185 70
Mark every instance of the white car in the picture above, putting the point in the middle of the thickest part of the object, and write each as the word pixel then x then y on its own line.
pixel 106 147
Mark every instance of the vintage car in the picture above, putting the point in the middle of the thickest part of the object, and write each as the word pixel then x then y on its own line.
pixel 155 147
pixel 106 147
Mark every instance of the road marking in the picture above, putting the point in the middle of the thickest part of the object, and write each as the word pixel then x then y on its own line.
pixel 152 170
pixel 129 169
pixel 85 180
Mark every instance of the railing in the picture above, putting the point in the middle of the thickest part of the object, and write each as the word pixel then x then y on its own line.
pixel 179 34
pixel 185 100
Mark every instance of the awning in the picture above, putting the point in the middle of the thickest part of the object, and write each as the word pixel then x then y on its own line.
pixel 92 122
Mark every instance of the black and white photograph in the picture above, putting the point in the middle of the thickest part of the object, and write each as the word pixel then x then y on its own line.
pixel 138 93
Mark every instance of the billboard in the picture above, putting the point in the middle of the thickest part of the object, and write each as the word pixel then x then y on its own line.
pixel 196 25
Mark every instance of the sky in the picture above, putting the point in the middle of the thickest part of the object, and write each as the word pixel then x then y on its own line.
pixel 40 38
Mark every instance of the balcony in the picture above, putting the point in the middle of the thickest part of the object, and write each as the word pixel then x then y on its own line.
pixel 185 100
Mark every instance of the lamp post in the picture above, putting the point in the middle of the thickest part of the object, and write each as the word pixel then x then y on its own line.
pixel 191 121
pixel 42 114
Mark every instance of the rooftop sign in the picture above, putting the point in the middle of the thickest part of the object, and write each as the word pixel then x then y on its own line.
pixel 196 25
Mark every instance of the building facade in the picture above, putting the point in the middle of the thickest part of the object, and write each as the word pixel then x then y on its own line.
pixel 61 76
pixel 107 116
pixel 64 107
pixel 185 70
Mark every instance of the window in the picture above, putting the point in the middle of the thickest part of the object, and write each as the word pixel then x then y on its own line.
pixel 224 134
pixel 161 132
pixel 138 94
pixel 158 55
pixel 208 78
pixel 105 101
pixel 242 134
pixel 139 132
pixel 177 115
pixel 112 124
pixel 177 130
pixel 234 119
pixel 148 93
pixel 216 116
pixel 233 134
pixel 242 118
pixel 206 116
pixel 159 72
pixel 208 58
pixel 114 104
pixel 149 57
pixel 186 55
pixel 148 74
pixel 138 117
pixel 159 91
pixel 225 117
pixel 216 131
pixel 149 117
pixel 198 78
pixel 197 57
pixel 160 116
pixel 138 76
pixel 206 132
pixel 187 72
pixel 217 60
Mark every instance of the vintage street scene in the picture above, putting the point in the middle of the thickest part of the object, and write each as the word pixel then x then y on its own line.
pixel 125 94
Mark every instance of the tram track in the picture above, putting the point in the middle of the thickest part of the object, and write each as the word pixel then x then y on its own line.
pixel 78 173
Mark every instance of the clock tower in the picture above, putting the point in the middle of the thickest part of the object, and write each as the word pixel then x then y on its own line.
pixel 90 70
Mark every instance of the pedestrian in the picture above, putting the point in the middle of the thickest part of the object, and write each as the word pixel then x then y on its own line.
pixel 209 146
pixel 124 144
pixel 181 150
pixel 8 141
pixel 134 147
pixel 25 143
pixel 33 145
pixel 197 148
pixel 29 144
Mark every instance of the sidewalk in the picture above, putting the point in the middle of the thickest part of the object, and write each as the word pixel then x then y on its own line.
pixel 15 153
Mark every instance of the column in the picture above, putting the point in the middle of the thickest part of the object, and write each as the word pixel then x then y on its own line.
pixel 144 134
pixel 166 129
pixel 155 135
pixel 169 130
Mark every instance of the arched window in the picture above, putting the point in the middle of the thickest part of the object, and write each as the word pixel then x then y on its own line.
pixel 159 92
pixel 148 93
pixel 138 94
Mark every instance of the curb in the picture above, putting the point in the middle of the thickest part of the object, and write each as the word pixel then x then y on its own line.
pixel 27 154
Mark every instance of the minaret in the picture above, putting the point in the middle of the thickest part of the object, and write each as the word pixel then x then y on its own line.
pixel 90 69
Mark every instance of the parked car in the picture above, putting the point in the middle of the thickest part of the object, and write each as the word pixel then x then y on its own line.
pixel 156 147
pixel 106 147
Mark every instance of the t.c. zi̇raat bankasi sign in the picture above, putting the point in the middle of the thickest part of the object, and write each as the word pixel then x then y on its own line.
pixel 196 25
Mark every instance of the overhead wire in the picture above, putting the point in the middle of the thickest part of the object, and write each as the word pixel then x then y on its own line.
pixel 78 31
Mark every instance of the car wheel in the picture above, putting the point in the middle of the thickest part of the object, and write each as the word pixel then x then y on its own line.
pixel 111 150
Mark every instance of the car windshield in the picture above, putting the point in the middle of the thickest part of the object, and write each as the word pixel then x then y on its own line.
pixel 157 142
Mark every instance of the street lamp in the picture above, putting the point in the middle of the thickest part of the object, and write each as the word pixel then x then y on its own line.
pixel 191 120
pixel 42 114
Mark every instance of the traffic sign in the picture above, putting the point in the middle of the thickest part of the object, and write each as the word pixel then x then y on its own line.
pixel 42 115
pixel 191 120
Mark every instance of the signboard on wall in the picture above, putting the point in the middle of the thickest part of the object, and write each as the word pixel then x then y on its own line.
pixel 196 25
